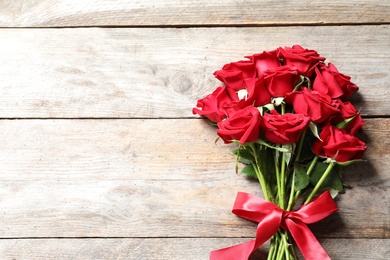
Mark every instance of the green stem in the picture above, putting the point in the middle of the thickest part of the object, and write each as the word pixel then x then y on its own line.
pixel 309 170
pixel 283 247
pixel 283 108
pixel 261 181
pixel 282 182
pixel 286 253
pixel 297 157
pixel 272 248
pixel 277 241
pixel 320 182
pixel 312 164
pixel 280 249
pixel 283 244
pixel 292 197
pixel 259 174
pixel 277 174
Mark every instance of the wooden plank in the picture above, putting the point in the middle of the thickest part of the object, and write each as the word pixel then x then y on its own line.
pixel 155 178
pixel 155 72
pixel 169 248
pixel 66 13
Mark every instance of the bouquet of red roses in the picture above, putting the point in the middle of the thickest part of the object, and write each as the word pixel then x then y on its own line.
pixel 288 113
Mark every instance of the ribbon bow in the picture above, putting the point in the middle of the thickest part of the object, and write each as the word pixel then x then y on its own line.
pixel 271 217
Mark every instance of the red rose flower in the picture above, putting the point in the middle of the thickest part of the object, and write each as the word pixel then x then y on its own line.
pixel 280 80
pixel 303 60
pixel 212 105
pixel 258 94
pixel 311 103
pixel 254 94
pixel 331 82
pixel 233 74
pixel 338 145
pixel 347 111
pixel 264 61
pixel 230 108
pixel 284 129
pixel 243 126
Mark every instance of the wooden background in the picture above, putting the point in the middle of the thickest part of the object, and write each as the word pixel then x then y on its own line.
pixel 101 157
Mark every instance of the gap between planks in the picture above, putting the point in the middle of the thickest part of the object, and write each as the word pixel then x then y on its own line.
pixel 143 118
pixel 187 26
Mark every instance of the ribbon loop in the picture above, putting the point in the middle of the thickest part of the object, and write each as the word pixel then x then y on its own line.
pixel 270 217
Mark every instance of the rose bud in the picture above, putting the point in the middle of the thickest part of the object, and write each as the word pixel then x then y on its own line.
pixel 338 145
pixel 329 81
pixel 311 103
pixel 243 126
pixel 284 129
pixel 303 60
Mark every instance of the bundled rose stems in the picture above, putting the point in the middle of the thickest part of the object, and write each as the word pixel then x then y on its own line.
pixel 288 113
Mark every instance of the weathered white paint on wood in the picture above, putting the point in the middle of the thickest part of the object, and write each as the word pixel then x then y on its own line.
pixel 49 13
pixel 155 178
pixel 161 72
pixel 170 248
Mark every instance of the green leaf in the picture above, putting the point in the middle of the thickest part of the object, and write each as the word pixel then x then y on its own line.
pixel 244 155
pixel 345 122
pixel 301 178
pixel 333 193
pixel 306 152
pixel 278 148
pixel 349 162
pixel 287 155
pixel 267 164
pixel 249 171
pixel 314 129
pixel 332 181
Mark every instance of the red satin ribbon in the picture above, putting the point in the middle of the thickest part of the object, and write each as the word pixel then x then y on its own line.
pixel 271 217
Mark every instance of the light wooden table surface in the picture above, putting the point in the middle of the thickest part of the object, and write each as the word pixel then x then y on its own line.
pixel 100 155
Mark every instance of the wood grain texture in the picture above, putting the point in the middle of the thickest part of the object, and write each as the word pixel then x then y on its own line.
pixel 109 162
pixel 171 248
pixel 155 178
pixel 160 73
pixel 49 13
